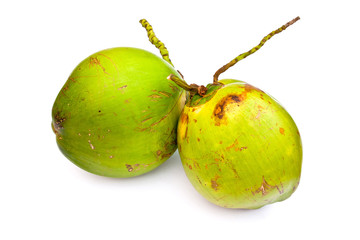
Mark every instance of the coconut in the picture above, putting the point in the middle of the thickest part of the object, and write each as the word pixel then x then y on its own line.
pixel 117 114
pixel 239 147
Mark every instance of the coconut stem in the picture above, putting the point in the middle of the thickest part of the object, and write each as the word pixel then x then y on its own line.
pixel 155 41
pixel 254 49
pixel 192 88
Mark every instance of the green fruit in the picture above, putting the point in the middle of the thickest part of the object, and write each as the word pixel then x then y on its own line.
pixel 239 147
pixel 117 114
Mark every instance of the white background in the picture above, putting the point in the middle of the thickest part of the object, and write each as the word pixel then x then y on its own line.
pixel 312 68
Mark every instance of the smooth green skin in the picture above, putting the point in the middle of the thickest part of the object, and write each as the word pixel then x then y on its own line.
pixel 117 113
pixel 240 149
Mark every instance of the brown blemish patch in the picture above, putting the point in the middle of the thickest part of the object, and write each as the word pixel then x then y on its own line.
pixel 190 167
pixel 184 118
pixel 231 98
pixel 249 88
pixel 122 88
pixel 214 183
pixel 127 100
pixel 220 142
pixel 235 146
pixel 220 108
pixel 195 121
pixel 166 155
pixel 129 167
pixel 58 124
pixel 232 145
pixel 158 153
pixel 240 149
pixel 198 139
pixel 94 61
pixel 282 131
pixel 265 188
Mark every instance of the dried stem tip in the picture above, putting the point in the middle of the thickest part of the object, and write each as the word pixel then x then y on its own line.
pixel 254 49
pixel 155 41
pixel 192 88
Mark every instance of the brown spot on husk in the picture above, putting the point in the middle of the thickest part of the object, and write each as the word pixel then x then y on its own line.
pixel 282 131
pixel 224 104
pixel 265 188
pixel 184 118
pixel 166 155
pixel 129 167
pixel 58 123
pixel 94 61
pixel 122 88
pixel 214 183
pixel 220 108
pixel 235 147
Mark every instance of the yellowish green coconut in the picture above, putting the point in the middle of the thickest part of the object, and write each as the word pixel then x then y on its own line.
pixel 117 113
pixel 239 147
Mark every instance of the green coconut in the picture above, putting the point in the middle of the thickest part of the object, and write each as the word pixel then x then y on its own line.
pixel 239 147
pixel 117 114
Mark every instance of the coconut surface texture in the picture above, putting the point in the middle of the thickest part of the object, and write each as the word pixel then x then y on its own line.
pixel 117 113
pixel 239 147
